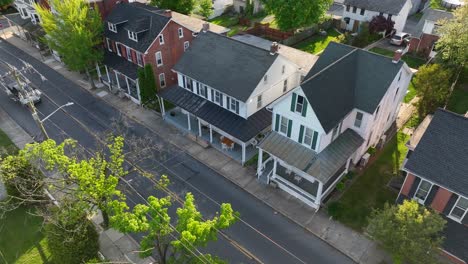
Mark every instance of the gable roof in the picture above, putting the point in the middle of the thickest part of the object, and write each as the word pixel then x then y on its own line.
pixel 195 24
pixel 386 6
pixel 227 65
pixel 350 78
pixel 135 17
pixel 441 155
pixel 429 15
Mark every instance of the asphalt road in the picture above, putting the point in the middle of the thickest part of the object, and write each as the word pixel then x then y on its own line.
pixel 261 235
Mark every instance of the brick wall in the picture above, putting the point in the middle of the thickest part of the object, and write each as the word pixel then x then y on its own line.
pixel 405 189
pixel 441 199
pixel 171 50
pixel 423 45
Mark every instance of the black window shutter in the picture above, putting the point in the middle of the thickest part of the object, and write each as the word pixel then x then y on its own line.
pixel 277 122
pixel 221 99
pixel 301 133
pixel 237 107
pixel 198 88
pixel 289 128
pixel 212 95
pixel 227 102
pixel 293 102
pixel 304 108
pixel 314 140
pixel 431 195
pixel 414 187
pixel 451 202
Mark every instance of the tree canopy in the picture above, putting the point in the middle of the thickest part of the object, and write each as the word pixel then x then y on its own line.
pixel 410 232
pixel 75 31
pixel 453 40
pixel 5 3
pixel 205 8
pixel 380 23
pixel 148 87
pixel 182 6
pixel 293 14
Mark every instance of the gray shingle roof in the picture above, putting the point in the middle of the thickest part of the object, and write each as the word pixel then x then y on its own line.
pixel 321 166
pixel 234 125
pixel 386 6
pixel 120 64
pixel 456 239
pixel 431 15
pixel 442 153
pixel 357 79
pixel 135 15
pixel 230 66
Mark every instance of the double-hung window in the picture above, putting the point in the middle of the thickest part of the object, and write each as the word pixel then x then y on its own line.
pixel 162 80
pixel 284 125
pixel 234 104
pixel 139 58
pixel 159 60
pixel 259 101
pixel 109 44
pixel 129 53
pixel 133 36
pixel 354 9
pixel 358 120
pixel 203 90
pixel 285 85
pixel 422 191
pixel 299 104
pixel 112 27
pixel 180 32
pixel 161 39
pixel 363 11
pixel 459 209
pixel 217 97
pixel 310 138
pixel 188 83
pixel 186 45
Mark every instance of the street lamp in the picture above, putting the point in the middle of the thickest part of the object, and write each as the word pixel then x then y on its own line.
pixel 41 122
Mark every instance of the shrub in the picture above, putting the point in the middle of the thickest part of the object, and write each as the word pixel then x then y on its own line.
pixel 334 208
pixel 340 186
pixel 364 37
pixel 380 24
pixel 350 175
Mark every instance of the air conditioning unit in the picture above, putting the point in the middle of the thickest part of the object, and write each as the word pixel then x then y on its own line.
pixel 364 160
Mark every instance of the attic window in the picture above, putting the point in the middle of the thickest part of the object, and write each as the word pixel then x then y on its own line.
pixel 133 36
pixel 112 27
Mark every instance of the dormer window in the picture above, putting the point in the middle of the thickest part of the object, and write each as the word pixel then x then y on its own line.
pixel 112 27
pixel 133 36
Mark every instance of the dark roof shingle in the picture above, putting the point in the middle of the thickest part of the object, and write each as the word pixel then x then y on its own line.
pixel 350 78
pixel 386 6
pixel 229 66
pixel 441 155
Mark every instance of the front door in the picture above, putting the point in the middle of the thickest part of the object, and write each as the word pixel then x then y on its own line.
pixel 356 26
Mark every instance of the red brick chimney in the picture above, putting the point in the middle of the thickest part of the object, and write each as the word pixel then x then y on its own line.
pixel 206 27
pixel 167 13
pixel 274 48
pixel 397 56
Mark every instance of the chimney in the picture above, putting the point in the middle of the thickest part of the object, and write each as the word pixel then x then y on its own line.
pixel 397 56
pixel 206 27
pixel 167 13
pixel 274 48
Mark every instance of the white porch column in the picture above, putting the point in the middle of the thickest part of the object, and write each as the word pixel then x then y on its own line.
pixel 243 153
pixel 274 169
pixel 138 90
pixel 108 76
pixel 260 162
pixel 188 121
pixel 211 134
pixel 161 104
pixel 98 71
pixel 199 128
pixel 117 78
pixel 128 86
pixel 347 165
pixel 318 198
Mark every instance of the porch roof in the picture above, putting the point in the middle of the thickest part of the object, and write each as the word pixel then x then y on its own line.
pixel 227 121
pixel 120 64
pixel 321 166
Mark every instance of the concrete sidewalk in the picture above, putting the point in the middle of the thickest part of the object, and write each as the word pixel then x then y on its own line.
pixel 114 246
pixel 351 243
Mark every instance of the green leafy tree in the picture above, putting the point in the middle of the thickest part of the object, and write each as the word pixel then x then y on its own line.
pixel 75 32
pixel 71 237
pixel 293 14
pixel 205 8
pixel 148 87
pixel 432 84
pixel 249 8
pixel 4 4
pixel 175 241
pixel 182 6
pixel 410 232
pixel 453 40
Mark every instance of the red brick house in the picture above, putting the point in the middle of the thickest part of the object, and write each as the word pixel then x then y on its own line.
pixel 436 169
pixel 424 35
pixel 135 35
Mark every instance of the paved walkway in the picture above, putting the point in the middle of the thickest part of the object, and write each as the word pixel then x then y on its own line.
pixel 113 245
pixel 353 244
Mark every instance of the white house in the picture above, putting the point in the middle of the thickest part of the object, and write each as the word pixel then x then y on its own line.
pixel 223 88
pixel 357 12
pixel 346 103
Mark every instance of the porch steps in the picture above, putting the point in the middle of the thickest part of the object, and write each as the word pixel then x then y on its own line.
pixel 263 178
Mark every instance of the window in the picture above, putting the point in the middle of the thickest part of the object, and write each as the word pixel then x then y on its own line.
pixel 129 54
pixel 188 83
pixel 299 104
pixel 159 60
pixel 217 98
pixel 399 77
pixel 181 32
pixel 285 85
pixel 380 14
pixel 310 138
pixel 133 36
pixel 459 209
pixel 358 120
pixel 284 125
pixel 204 91
pixel 283 69
pixel 112 27
pixel 234 105
pixel 347 8
pixel 162 80
pixel 139 58
pixel 259 101
pixel 109 45
pixel 396 93
pixel 336 131
pixel 389 16
pixel 423 190
pixel 118 49
pixel 265 78
pixel 186 45
pixel 35 19
pixel 161 39
pixel 362 11
pixel 377 112
pixel 354 9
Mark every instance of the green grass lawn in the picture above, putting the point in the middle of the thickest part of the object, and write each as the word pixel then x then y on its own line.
pixel 21 239
pixel 458 102
pixel 411 92
pixel 413 62
pixel 6 146
pixel 225 20
pixel 369 190
pixel 317 43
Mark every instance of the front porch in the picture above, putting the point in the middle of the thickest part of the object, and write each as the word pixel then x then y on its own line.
pixel 183 120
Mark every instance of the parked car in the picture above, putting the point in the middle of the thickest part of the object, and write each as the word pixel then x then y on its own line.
pixel 400 38
pixel 24 96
